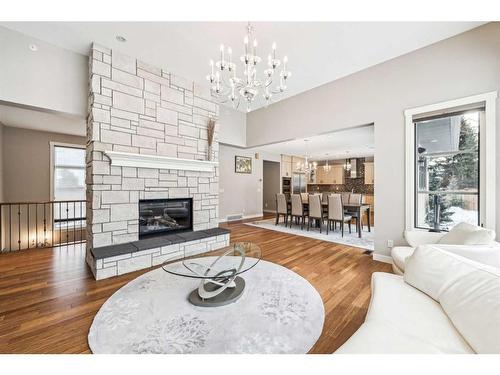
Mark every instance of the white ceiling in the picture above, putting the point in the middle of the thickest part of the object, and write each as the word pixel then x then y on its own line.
pixel 28 118
pixel 356 142
pixel 318 52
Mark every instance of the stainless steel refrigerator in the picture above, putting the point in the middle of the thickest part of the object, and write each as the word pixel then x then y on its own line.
pixel 299 184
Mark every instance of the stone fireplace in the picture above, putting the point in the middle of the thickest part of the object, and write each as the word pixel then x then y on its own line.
pixel 146 141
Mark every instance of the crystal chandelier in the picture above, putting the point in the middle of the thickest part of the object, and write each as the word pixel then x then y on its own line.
pixel 327 167
pixel 226 86
pixel 307 167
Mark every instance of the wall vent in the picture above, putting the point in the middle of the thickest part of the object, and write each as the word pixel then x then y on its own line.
pixel 234 217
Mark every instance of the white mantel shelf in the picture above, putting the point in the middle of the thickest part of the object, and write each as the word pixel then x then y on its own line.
pixel 125 159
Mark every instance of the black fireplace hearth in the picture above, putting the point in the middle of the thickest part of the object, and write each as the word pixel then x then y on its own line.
pixel 164 216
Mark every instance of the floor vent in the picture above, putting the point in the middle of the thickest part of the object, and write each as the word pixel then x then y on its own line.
pixel 234 217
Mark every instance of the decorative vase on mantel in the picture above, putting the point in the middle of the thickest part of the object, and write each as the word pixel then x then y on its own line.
pixel 210 139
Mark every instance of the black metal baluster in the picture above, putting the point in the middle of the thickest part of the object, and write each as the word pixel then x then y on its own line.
pixel 81 223
pixel 36 224
pixel 74 222
pixel 60 218
pixel 19 227
pixel 52 223
pixel 10 227
pixel 28 206
pixel 67 223
pixel 44 226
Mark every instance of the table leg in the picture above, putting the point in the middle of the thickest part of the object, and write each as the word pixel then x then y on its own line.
pixel 369 218
pixel 360 219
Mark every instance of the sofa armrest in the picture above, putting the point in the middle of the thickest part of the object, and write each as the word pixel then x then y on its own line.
pixel 416 238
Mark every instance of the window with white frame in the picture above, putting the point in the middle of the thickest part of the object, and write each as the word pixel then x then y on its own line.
pixel 450 163
pixel 447 169
pixel 68 183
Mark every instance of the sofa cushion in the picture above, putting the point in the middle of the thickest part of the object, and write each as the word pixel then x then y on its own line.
pixel 377 337
pixel 486 254
pixel 413 313
pixel 402 319
pixel 419 237
pixel 468 291
pixel 399 255
pixel 468 234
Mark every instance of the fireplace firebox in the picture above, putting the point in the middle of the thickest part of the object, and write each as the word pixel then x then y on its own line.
pixel 164 216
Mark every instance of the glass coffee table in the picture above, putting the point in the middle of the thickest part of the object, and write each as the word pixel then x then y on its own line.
pixel 219 272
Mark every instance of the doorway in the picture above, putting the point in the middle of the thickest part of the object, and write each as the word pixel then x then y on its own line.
pixel 270 185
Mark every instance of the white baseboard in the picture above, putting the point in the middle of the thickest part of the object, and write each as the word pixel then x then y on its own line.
pixel 244 217
pixel 382 258
pixel 270 211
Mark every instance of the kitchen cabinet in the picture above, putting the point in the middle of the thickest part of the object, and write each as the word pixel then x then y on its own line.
pixel 286 166
pixel 369 173
pixel 337 173
pixel 334 176
pixel 297 162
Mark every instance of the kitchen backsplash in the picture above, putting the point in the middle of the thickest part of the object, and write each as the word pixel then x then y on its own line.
pixel 350 184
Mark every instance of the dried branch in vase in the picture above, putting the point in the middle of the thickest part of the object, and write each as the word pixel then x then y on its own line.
pixel 211 131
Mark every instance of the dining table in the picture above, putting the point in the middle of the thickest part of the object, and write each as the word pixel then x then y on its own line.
pixel 358 208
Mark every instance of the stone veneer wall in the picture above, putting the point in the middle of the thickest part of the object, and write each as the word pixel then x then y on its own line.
pixel 137 108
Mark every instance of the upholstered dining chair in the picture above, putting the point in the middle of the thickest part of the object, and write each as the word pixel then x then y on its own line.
pixel 298 211
pixel 304 197
pixel 336 213
pixel 315 210
pixel 345 196
pixel 355 199
pixel 324 197
pixel 281 209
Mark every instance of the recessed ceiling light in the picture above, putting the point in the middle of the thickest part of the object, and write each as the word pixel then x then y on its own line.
pixel 434 140
pixel 33 47
pixel 121 38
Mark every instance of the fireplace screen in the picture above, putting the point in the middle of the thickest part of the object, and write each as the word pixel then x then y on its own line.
pixel 161 216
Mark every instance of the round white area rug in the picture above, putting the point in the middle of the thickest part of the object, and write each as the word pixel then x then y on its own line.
pixel 279 312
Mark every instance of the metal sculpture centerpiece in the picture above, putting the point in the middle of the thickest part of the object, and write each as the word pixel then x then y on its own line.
pixel 218 271
pixel 226 86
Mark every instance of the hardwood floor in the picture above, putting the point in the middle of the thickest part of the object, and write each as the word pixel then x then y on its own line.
pixel 48 297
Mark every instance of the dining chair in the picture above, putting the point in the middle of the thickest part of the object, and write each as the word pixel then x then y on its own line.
pixel 336 213
pixel 345 196
pixel 355 199
pixel 315 210
pixel 298 211
pixel 324 198
pixel 281 208
pixel 304 197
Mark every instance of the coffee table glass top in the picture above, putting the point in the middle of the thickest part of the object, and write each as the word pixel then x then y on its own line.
pixel 222 263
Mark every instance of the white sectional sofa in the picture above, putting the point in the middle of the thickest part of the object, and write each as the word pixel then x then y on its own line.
pixel 467 240
pixel 445 303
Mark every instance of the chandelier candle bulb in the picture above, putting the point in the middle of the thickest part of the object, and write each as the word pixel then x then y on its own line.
pixel 222 57
pixel 274 50
pixel 255 49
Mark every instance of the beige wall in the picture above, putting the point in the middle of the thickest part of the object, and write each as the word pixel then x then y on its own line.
pixel 26 163
pixel 241 193
pixel 1 162
pixel 270 184
pixel 52 77
pixel 461 66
